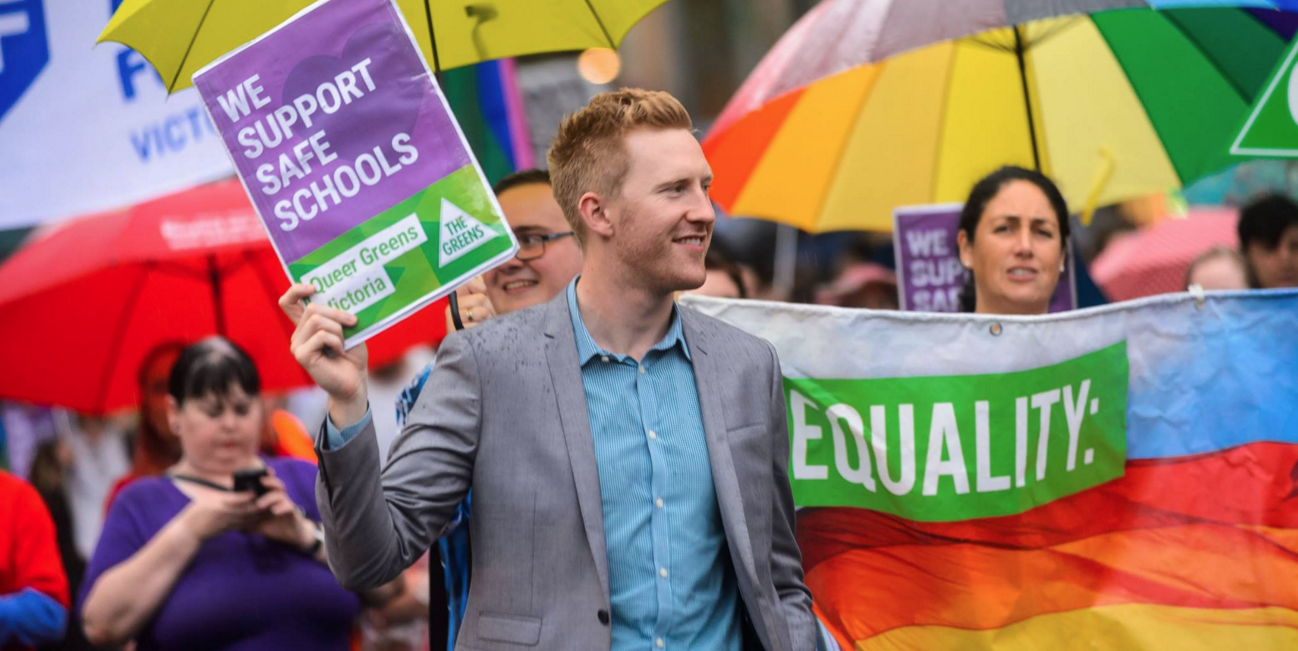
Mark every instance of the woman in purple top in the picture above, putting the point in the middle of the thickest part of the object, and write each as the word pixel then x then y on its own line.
pixel 190 561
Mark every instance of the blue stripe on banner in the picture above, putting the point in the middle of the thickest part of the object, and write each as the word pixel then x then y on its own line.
pixel 494 108
pixel 1234 382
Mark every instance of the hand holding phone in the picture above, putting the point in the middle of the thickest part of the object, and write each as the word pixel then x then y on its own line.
pixel 249 479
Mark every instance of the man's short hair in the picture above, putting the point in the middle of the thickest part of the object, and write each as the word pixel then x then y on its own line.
pixel 521 178
pixel 589 152
pixel 1265 221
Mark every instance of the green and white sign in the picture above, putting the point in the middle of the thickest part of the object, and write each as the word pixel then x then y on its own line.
pixel 1272 126
pixel 952 448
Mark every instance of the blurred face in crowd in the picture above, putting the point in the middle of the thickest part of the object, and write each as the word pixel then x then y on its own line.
pixel 660 223
pixel 1219 272
pixel 218 433
pixel 546 267
pixel 1277 267
pixel 1016 253
pixel 153 395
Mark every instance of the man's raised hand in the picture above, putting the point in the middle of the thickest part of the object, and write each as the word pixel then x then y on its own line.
pixel 317 345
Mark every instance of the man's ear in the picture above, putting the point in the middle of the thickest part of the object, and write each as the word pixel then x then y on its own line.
pixel 594 214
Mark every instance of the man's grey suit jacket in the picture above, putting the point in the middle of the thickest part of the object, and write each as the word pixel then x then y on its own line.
pixel 504 412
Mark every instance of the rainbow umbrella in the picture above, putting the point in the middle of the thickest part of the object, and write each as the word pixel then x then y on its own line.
pixel 1113 105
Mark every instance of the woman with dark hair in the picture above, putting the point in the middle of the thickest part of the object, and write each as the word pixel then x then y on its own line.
pixel 1012 239
pixel 197 560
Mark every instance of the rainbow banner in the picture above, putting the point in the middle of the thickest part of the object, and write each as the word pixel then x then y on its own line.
pixel 1124 477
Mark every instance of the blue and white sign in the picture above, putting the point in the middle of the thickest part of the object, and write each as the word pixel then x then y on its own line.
pixel 86 128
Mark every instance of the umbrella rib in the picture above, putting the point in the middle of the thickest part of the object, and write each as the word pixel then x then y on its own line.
pixel 1209 58
pixel 1021 55
pixel 432 37
pixel 119 337
pixel 599 21
pixel 185 58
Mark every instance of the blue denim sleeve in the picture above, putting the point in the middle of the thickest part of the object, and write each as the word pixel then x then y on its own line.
pixel 30 618
pixel 334 438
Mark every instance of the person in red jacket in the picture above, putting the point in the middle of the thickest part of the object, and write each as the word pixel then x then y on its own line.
pixel 33 586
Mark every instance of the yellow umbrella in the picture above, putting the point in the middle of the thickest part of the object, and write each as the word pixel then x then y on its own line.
pixel 180 36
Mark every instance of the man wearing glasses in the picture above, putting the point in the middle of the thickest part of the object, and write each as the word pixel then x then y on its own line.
pixel 548 257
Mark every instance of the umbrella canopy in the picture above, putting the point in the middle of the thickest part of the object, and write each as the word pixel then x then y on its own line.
pixel 83 303
pixel 1112 105
pixel 1153 260
pixel 839 34
pixel 180 36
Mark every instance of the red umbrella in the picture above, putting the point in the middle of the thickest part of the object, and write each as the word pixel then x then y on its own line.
pixel 1154 259
pixel 84 301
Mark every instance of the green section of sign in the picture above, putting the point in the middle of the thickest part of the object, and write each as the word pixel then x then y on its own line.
pixel 1272 128
pixel 393 260
pixel 960 447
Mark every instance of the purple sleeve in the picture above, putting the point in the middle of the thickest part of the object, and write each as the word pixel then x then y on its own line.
pixel 123 535
pixel 299 480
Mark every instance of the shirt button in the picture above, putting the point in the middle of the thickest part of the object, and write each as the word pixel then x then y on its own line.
pixel 604 358
pixel 658 502
pixel 662 571
pixel 603 617
pixel 641 370
pixel 659 642
pixel 653 435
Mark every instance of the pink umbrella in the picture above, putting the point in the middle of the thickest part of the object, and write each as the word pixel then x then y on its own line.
pixel 1154 260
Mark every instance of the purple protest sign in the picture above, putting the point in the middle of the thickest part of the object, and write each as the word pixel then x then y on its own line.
pixel 354 162
pixel 929 273
pixel 344 70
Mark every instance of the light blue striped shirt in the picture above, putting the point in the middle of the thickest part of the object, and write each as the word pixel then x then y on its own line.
pixel 671 582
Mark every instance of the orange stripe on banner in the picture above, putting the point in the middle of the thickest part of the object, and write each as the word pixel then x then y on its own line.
pixel 1247 485
pixel 866 592
pixel 1211 531
pixel 735 152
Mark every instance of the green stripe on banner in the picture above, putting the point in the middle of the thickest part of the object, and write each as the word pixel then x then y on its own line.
pixel 960 447
pixel 1241 47
pixel 1193 107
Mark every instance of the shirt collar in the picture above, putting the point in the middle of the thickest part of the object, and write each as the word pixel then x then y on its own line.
pixel 587 349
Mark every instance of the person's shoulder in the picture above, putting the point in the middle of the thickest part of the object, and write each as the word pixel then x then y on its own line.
pixel 18 492
pixel 141 494
pixel 143 488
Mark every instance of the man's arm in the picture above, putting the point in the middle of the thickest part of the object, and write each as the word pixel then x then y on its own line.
pixel 786 559
pixel 376 525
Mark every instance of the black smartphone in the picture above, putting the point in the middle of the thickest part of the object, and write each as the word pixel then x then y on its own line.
pixel 249 479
